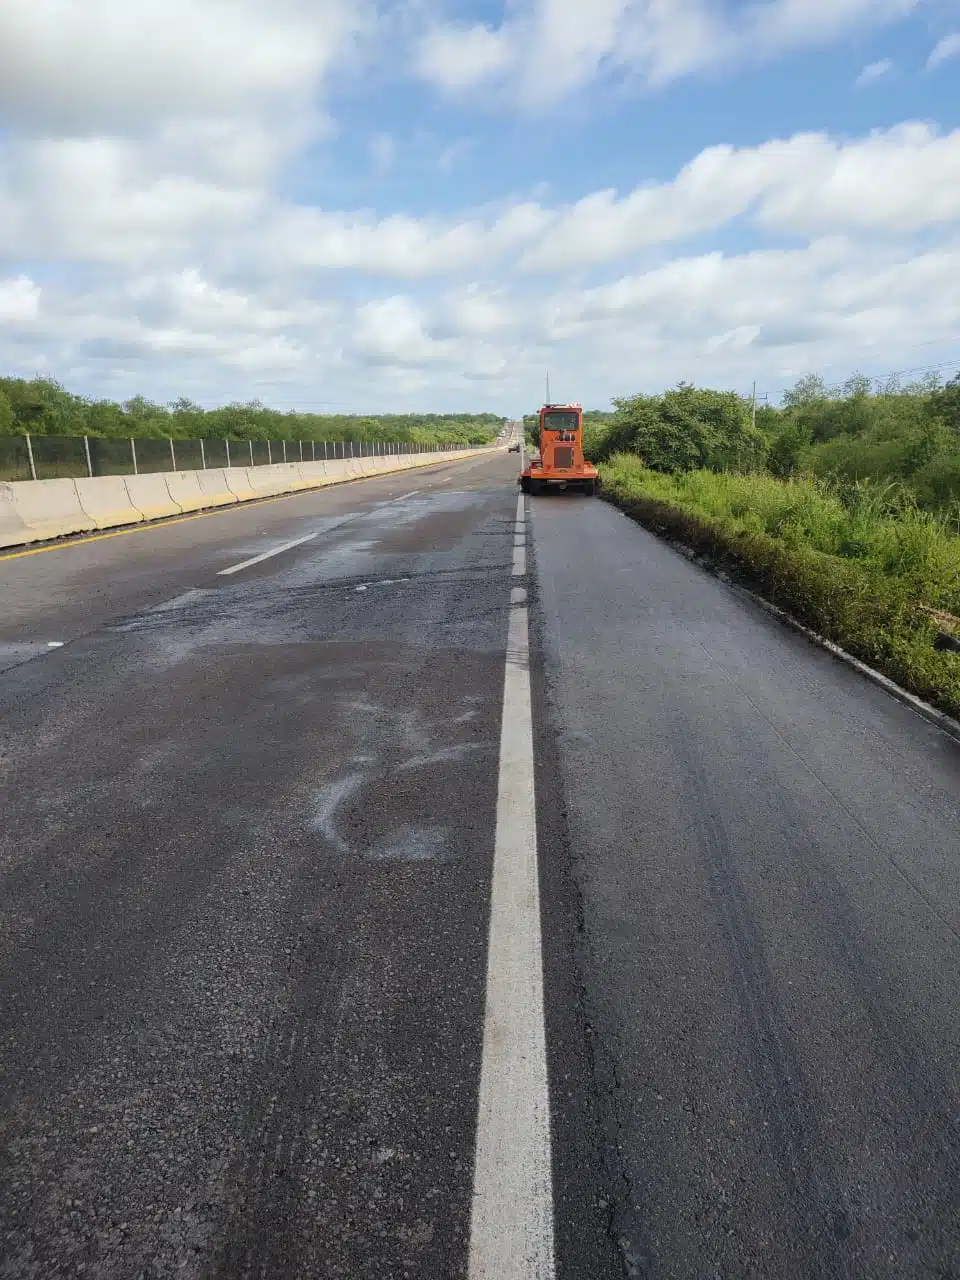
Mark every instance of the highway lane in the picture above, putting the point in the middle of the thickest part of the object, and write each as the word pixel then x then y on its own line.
pixel 245 875
pixel 246 863
pixel 767 853
pixel 62 591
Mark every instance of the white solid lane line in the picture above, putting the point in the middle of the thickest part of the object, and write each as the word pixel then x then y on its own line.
pixel 265 555
pixel 511 1228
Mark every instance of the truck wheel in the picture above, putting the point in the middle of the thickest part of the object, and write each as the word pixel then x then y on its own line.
pixel 535 487
pixel 525 484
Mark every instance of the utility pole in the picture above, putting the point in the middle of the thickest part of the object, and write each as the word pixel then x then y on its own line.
pixel 754 414
pixel 547 401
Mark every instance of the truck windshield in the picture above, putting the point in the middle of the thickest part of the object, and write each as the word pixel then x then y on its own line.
pixel 560 421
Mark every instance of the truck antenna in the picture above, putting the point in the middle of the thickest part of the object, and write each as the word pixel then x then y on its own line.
pixel 547 401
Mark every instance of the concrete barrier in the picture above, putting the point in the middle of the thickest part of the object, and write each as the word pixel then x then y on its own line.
pixel 50 508
pixel 151 495
pixel 184 489
pixel 270 482
pixel 214 488
pixel 13 531
pixel 106 501
pixel 313 474
pixel 238 483
pixel 337 471
pixel 33 510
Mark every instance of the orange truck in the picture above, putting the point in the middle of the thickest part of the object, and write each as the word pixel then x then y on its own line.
pixel 561 464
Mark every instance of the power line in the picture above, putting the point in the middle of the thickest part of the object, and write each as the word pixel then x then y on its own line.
pixel 881 378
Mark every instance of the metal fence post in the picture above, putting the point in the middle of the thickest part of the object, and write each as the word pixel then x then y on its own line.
pixel 324 450
pixel 301 450
pixel 86 450
pixel 269 455
pixel 227 443
pixel 351 448
pixel 313 450
pixel 203 457
pixel 133 454
pixel 250 443
pixel 283 446
pixel 33 466
pixel 173 456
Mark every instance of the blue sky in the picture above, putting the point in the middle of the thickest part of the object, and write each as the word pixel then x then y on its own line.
pixel 423 205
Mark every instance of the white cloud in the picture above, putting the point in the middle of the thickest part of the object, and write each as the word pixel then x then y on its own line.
pixel 390 331
pixel 458 57
pixel 396 245
pixel 478 312
pixel 874 71
pixel 894 181
pixel 144 187
pixel 19 300
pixel 109 200
pixel 82 65
pixel 113 202
pixel 948 47
pixel 545 49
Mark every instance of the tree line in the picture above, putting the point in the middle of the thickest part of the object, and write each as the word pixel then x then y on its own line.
pixel 906 435
pixel 42 407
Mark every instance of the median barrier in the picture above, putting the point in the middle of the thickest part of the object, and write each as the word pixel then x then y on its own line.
pixel 288 477
pixel 150 494
pixel 337 470
pixel 106 501
pixel 215 488
pixel 13 531
pixel 313 474
pixel 184 489
pixel 33 510
pixel 50 508
pixel 271 481
pixel 238 482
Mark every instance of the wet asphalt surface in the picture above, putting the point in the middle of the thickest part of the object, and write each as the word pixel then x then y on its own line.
pixel 245 853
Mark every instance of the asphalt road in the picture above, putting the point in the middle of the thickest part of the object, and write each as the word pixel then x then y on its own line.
pixel 246 860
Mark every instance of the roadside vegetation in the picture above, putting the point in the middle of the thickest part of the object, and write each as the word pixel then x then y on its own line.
pixel 41 407
pixel 841 507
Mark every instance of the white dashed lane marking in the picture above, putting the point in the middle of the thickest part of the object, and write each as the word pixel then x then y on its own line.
pixel 266 555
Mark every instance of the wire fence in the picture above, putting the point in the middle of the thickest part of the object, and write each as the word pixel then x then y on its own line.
pixel 54 457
